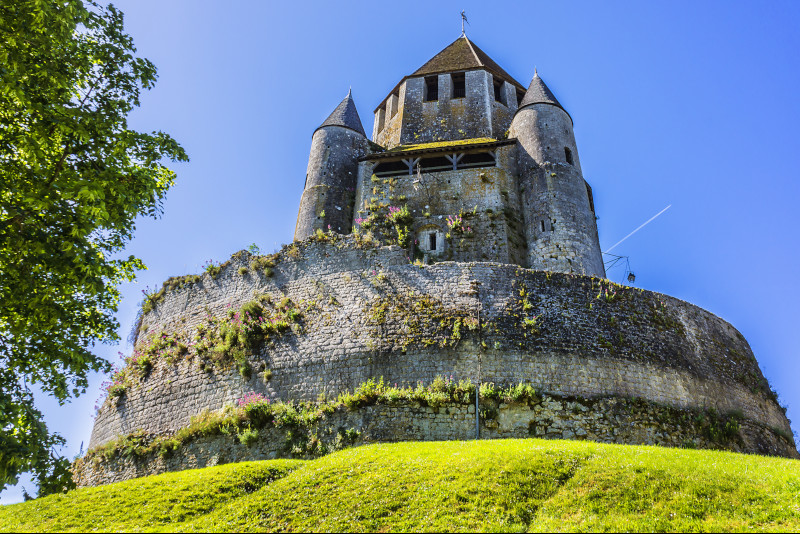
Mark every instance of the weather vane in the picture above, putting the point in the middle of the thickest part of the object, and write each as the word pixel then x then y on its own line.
pixel 463 20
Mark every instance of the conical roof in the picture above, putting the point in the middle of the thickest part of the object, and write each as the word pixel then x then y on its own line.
pixel 463 54
pixel 345 115
pixel 539 93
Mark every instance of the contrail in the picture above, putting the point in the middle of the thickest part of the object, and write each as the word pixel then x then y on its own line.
pixel 642 226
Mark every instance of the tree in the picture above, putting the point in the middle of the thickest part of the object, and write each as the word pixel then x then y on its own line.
pixel 73 180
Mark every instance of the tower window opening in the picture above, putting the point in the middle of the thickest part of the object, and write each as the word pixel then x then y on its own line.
pixel 431 88
pixel 395 106
pixel 459 82
pixel 520 96
pixel 543 226
pixel 432 241
pixel 499 94
pixel 568 154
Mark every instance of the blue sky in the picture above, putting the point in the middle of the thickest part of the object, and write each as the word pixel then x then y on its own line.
pixel 692 104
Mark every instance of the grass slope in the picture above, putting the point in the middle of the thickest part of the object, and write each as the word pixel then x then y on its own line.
pixel 508 485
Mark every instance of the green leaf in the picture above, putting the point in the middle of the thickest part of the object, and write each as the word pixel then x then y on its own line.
pixel 74 181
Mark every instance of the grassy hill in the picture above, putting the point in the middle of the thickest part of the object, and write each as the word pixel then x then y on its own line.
pixel 508 485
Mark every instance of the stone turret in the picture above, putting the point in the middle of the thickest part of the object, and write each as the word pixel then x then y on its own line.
pixel 327 199
pixel 557 204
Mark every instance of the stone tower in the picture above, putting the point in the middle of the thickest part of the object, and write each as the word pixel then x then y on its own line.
pixel 458 140
pixel 557 204
pixel 461 93
pixel 327 200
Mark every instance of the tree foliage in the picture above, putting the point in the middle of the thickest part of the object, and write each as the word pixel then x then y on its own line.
pixel 73 180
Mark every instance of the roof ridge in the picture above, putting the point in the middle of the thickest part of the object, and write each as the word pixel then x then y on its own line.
pixel 474 53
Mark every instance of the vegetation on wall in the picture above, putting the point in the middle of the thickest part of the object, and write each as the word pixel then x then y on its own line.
pixel 222 342
pixel 424 318
pixel 218 342
pixel 459 226
pixel 254 412
pixel 389 224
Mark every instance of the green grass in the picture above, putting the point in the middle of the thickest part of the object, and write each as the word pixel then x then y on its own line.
pixel 508 485
pixel 150 503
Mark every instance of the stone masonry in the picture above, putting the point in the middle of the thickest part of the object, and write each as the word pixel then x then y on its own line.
pixel 606 420
pixel 372 314
pixel 460 241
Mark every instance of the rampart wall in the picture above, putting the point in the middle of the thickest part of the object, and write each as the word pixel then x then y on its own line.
pixel 368 313
pixel 607 420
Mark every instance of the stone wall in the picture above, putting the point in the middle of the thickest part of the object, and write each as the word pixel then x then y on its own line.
pixel 369 313
pixel 393 111
pixel 559 223
pixel 608 420
pixel 487 197
pixel 477 114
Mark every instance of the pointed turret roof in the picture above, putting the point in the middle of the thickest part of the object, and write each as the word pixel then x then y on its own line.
pixel 345 115
pixel 539 93
pixel 463 54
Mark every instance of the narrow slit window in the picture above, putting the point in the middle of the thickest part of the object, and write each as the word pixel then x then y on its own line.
pixel 459 85
pixel 432 240
pixel 499 94
pixel 520 96
pixel 543 226
pixel 568 154
pixel 431 88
